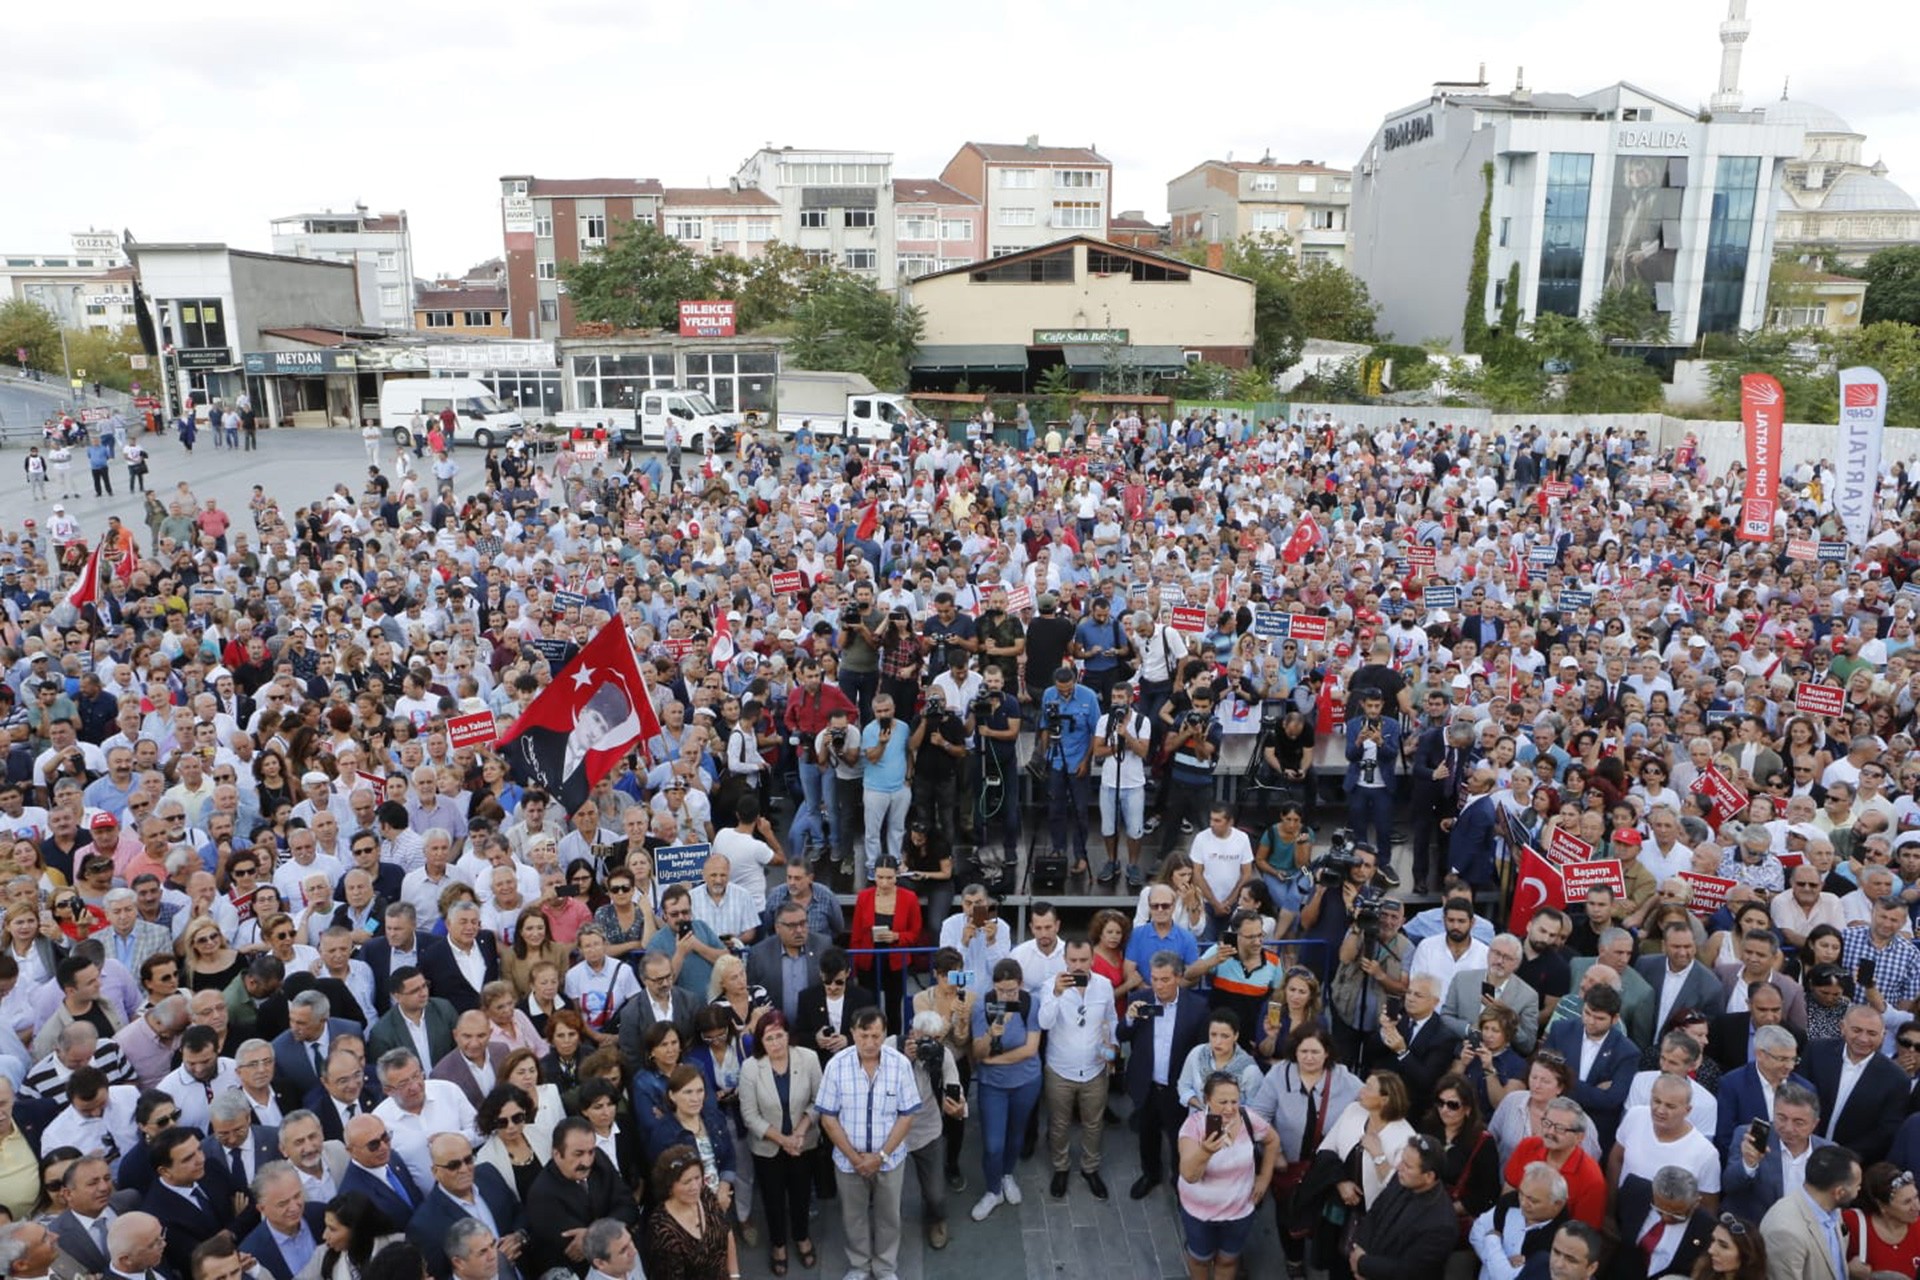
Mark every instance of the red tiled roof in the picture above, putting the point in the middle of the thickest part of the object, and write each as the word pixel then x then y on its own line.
pixel 717 197
pixel 386 222
pixel 1121 223
pixel 594 187
pixel 1017 152
pixel 928 191
pixel 461 300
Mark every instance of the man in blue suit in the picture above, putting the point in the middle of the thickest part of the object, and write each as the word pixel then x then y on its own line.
pixel 463 1189
pixel 1755 1180
pixel 1472 833
pixel 399 945
pixel 1750 1091
pixel 374 1173
pixel 1610 1060
pixel 300 1052
pixel 1163 1026
pixel 1373 755
pixel 289 1231
pixel 190 1213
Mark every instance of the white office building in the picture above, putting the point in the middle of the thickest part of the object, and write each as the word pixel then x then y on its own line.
pixel 1618 188
pixel 90 286
pixel 834 206
pixel 379 245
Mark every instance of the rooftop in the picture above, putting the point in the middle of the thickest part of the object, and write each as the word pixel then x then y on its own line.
pixel 563 187
pixel 718 197
pixel 928 191
pixel 488 298
pixel 1031 152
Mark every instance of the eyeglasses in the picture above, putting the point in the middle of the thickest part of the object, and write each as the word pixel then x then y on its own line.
pixel 462 1163
pixel 1737 1227
pixel 376 1142
pixel 1554 1126
pixel 513 1117
pixel 166 1120
pixel 841 981
pixel 1450 1104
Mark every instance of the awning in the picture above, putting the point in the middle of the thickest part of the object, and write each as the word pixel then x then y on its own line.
pixel 1151 359
pixel 980 357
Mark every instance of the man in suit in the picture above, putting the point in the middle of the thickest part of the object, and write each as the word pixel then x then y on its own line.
pixel 1864 1119
pixel 468 962
pixel 1419 1045
pixel 342 1095
pixel 82 1229
pixel 1467 997
pixel 290 1227
pixel 1759 954
pixel 578 1187
pixel 1163 1024
pixel 321 1162
pixel 476 1060
pixel 128 938
pixel 1754 1179
pixel 1794 1231
pixel 1679 981
pixel 828 1006
pixel 400 945
pixel 372 1170
pixel 1637 999
pixel 1663 1228
pixel 1373 758
pixel 784 962
pixel 137 1243
pixel 463 1189
pixel 1441 758
pixel 1411 1227
pixel 237 1150
pixel 300 1052
pixel 415 1019
pixel 1751 754
pixel 189 1212
pixel 1474 833
pixel 1730 1037
pixel 1602 1059
pixel 660 1000
pixel 1753 1089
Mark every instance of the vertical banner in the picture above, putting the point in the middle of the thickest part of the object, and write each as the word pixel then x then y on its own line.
pixel 1863 421
pixel 1762 407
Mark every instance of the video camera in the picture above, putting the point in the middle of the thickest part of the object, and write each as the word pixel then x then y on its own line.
pixel 1336 865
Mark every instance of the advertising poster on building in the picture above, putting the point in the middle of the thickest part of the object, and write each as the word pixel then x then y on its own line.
pixel 1642 233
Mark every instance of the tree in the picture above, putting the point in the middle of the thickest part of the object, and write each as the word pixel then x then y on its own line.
pixel 768 288
pixel 1893 286
pixel 1473 329
pixel 1893 349
pixel 1810 397
pixel 1612 384
pixel 30 325
pixel 845 322
pixel 103 354
pixel 1055 390
pixel 638 280
pixel 1629 315
pixel 1332 302
pixel 1293 301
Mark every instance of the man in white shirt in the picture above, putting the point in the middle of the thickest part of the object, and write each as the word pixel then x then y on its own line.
pixel 1042 957
pixel 1222 862
pixel 1680 1055
pixel 598 985
pixel 422 887
pixel 201 1075
pixel 749 848
pixel 1453 949
pixel 1502 1246
pixel 1659 1135
pixel 1077 1013
pixel 98 1117
pixel 303 859
pixel 980 936
pixel 416 1108
pixel 1120 742
pixel 723 906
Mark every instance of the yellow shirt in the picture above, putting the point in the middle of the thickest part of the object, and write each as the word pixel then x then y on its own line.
pixel 19 1176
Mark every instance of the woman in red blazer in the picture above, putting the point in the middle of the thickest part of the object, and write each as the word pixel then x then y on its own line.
pixel 884 916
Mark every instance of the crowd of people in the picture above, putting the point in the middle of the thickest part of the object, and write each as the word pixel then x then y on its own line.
pixel 292 984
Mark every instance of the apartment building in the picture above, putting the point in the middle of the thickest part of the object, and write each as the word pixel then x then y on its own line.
pixel 467 312
pixel 834 206
pixel 88 287
pixel 549 221
pixel 936 227
pixel 1222 200
pixel 378 245
pixel 1033 195
pixel 715 220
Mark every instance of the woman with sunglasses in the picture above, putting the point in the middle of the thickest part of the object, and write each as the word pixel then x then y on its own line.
pixel 1879 1228
pixel 1735 1250
pixel 1469 1157
pixel 207 962
pixel 628 919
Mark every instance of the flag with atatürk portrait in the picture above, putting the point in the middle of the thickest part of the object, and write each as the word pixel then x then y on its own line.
pixel 582 725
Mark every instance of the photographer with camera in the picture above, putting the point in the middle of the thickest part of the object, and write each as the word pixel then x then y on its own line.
pixel 1068 713
pixel 937 1073
pixel 1120 744
pixel 1373 759
pixel 1372 972
pixel 1193 749
pixel 993 717
pixel 809 709
pixel 837 747
pixel 946 634
pixel 860 625
pixel 939 747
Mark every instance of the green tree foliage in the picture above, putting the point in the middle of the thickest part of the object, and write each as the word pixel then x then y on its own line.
pixel 1510 303
pixel 1893 286
pixel 845 322
pixel 1055 390
pixel 768 288
pixel 1629 315
pixel 1332 302
pixel 1810 396
pixel 1293 302
pixel 103 354
pixel 638 280
pixel 1473 328
pixel 1893 349
pixel 30 325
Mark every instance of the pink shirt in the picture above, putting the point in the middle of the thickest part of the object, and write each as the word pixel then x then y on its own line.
pixel 1225 1192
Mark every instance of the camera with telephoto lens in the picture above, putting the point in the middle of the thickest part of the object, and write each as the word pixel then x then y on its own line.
pixel 930 1054
pixel 838 737
pixel 1056 720
pixel 1333 867
pixel 983 706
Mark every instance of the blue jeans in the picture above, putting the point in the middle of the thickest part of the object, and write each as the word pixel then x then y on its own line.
pixel 860 686
pixel 1003 1123
pixel 816 802
pixel 1372 806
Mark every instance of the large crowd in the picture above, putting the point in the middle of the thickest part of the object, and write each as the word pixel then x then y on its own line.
pixel 1322 719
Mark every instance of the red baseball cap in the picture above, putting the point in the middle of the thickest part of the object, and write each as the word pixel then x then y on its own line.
pixel 101 821
pixel 1626 835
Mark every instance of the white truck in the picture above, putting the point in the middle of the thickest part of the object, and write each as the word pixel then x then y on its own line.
pixel 479 418
pixel 698 421
pixel 830 404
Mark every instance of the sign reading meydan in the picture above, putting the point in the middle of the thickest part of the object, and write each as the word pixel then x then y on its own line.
pixel 294 363
pixel 1080 337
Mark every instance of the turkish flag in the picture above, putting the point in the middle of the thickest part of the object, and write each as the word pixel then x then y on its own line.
pixel 1540 885
pixel 1305 537
pixel 869 522
pixel 584 723
pixel 86 587
pixel 1517 566
pixel 722 651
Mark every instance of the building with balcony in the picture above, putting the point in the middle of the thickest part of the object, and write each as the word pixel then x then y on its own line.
pixel 1223 200
pixel 1585 193
pixel 834 206
pixel 935 227
pixel 1034 195
pixel 715 220
pixel 379 245
pixel 88 287
pixel 547 222
pixel 473 312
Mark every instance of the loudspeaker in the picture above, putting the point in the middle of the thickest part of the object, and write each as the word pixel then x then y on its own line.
pixel 1049 873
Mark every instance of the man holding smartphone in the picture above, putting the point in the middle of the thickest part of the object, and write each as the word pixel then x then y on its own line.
pixel 1077 1014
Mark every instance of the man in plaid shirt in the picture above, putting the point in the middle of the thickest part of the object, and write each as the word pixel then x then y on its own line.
pixel 866 1104
pixel 1896 962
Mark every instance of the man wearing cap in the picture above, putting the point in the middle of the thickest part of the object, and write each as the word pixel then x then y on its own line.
pixel 1642 890
pixel 1069 711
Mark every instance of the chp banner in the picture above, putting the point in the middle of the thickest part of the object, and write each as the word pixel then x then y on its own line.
pixel 596 709
pixel 1762 409
pixel 1863 423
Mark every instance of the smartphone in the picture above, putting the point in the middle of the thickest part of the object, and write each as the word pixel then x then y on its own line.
pixel 954 1092
pixel 979 913
pixel 1151 1009
pixel 1866 972
pixel 566 891
pixel 958 979
pixel 1395 1009
pixel 1487 990
pixel 1762 1133
pixel 1081 979
pixel 682 929
pixel 1216 1124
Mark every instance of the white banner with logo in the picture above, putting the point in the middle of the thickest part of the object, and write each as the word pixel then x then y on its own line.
pixel 1863 423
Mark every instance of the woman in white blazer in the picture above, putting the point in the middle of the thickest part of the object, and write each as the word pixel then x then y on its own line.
pixel 516 1146
pixel 777 1087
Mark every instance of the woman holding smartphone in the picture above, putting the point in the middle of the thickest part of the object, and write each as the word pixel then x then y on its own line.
pixel 950 997
pixel 885 917
pixel 1227 1156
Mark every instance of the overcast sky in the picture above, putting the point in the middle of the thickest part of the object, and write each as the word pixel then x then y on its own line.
pixel 204 127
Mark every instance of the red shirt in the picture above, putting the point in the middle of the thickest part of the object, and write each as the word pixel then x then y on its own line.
pixel 808 714
pixel 1586 1181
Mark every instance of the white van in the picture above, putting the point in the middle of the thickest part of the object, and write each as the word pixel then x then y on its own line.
pixel 479 418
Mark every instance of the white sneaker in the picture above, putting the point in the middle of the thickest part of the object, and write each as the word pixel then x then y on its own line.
pixel 988 1203
pixel 1009 1190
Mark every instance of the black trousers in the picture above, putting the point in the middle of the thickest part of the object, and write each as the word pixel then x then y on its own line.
pixel 1157 1121
pixel 1184 801
pixel 786 1189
